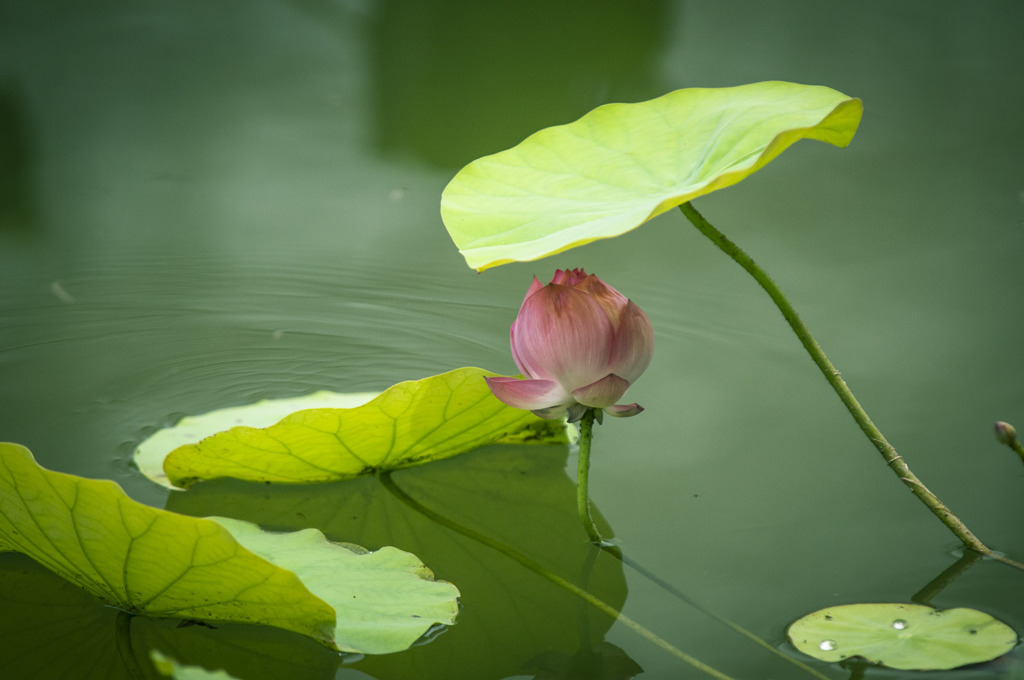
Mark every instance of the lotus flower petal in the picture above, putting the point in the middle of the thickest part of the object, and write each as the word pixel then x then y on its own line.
pixel 610 299
pixel 529 395
pixel 602 393
pixel 553 413
pixel 633 346
pixel 562 334
pixel 535 285
pixel 624 410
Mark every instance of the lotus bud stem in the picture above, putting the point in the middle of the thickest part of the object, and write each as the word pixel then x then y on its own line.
pixel 583 478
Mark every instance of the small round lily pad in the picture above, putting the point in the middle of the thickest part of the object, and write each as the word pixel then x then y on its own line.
pixel 902 636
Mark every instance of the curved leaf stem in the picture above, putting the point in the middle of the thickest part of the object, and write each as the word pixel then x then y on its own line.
pixel 540 570
pixel 583 478
pixel 892 458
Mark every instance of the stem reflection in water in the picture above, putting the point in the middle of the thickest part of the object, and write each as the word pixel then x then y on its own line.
pixel 540 570
pixel 534 566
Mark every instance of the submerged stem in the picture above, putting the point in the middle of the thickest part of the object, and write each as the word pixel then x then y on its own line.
pixel 616 552
pixel 892 458
pixel 542 571
pixel 583 478
pixel 950 574
pixel 125 650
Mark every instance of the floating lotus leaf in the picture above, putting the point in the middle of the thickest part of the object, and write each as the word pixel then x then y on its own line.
pixel 162 564
pixel 623 164
pixel 903 636
pixel 410 423
pixel 149 455
pixel 142 559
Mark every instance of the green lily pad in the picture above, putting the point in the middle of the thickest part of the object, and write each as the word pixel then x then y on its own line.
pixel 162 564
pixel 623 164
pixel 410 423
pixel 902 636
pixel 149 455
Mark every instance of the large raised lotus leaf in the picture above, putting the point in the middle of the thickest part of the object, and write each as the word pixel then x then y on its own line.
pixel 903 636
pixel 623 164
pixel 410 423
pixel 161 564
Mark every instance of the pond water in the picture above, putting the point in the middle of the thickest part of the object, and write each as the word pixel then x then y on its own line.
pixel 207 204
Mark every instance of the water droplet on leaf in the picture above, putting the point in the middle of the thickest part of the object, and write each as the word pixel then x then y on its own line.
pixel 827 645
pixel 899 624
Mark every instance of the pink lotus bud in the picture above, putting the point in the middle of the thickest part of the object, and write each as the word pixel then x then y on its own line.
pixel 579 344
pixel 1005 433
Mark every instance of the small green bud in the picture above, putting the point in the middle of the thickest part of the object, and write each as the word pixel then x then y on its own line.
pixel 1005 433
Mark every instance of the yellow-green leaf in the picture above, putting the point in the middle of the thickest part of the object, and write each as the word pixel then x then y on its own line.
pixel 145 560
pixel 150 454
pixel 623 164
pixel 410 423
pixel 162 564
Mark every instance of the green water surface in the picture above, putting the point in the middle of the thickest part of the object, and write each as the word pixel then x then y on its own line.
pixel 203 204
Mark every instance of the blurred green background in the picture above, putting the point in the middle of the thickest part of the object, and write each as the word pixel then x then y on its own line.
pixel 203 204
